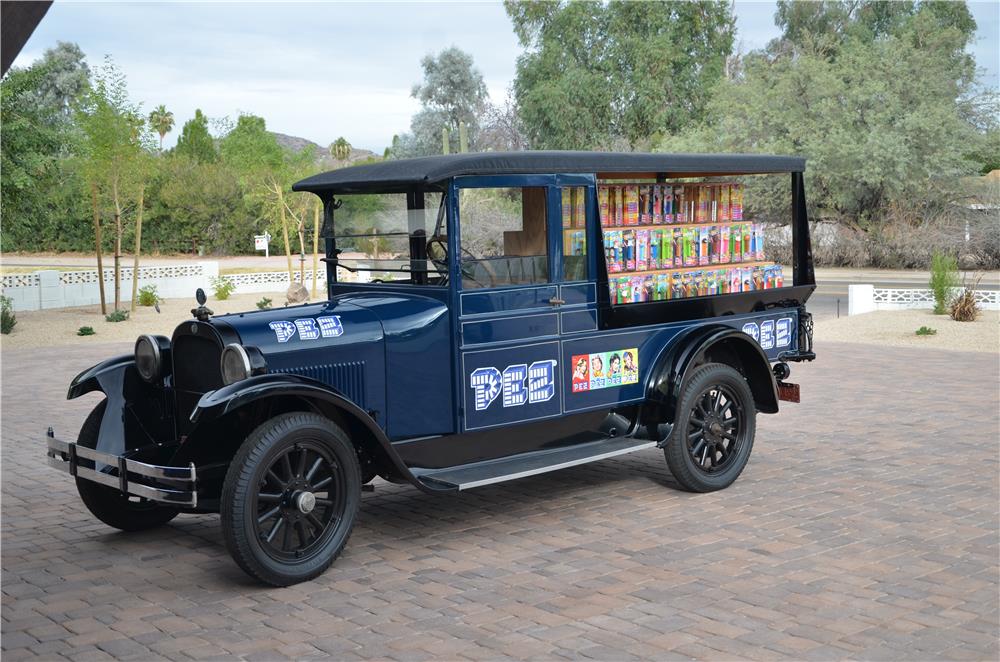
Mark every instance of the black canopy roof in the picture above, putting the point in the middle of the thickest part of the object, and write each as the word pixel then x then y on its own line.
pixel 403 174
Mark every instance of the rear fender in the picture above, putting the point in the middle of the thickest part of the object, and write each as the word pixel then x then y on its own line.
pixel 230 413
pixel 704 344
pixel 138 415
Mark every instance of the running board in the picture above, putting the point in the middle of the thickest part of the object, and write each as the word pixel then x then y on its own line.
pixel 468 476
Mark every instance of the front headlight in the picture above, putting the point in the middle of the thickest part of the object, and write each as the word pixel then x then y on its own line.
pixel 235 364
pixel 239 362
pixel 150 354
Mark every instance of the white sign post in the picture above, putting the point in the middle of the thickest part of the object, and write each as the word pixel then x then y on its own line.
pixel 261 241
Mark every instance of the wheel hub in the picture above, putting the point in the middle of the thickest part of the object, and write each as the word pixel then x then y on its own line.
pixel 304 501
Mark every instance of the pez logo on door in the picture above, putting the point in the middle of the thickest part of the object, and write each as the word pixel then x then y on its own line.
pixel 519 384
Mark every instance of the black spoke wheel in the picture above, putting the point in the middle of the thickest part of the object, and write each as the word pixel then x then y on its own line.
pixel 714 430
pixel 108 504
pixel 290 498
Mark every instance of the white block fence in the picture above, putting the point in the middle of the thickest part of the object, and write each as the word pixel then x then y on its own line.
pixel 868 298
pixel 64 289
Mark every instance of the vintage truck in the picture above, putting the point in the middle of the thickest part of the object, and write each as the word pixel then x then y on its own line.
pixel 533 311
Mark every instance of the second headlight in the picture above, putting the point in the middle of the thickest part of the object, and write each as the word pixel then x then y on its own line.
pixel 239 362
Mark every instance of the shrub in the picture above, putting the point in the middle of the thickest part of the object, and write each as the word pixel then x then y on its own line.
pixel 264 303
pixel 926 331
pixel 944 279
pixel 223 287
pixel 148 296
pixel 116 316
pixel 7 317
pixel 964 308
pixel 85 331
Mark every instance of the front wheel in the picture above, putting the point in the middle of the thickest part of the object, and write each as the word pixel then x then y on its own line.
pixel 290 498
pixel 714 431
pixel 126 513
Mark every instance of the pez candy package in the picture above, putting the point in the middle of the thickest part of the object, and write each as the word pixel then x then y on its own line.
pixel 724 250
pixel 654 248
pixel 666 248
pixel 715 245
pixel 628 249
pixel 645 205
pixel 680 203
pixel 725 214
pixel 758 229
pixel 736 202
pixel 567 207
pixel 748 253
pixel 658 204
pixel 662 287
pixel 704 246
pixel 668 204
pixel 579 207
pixel 678 247
pixel 624 290
pixel 631 205
pixel 736 242
pixel 619 205
pixel 641 250
pixel 648 288
pixel 602 204
pixel 690 243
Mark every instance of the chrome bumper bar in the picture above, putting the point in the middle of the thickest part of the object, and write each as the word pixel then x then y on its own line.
pixel 66 456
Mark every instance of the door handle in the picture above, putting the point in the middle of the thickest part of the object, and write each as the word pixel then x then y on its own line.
pixel 556 301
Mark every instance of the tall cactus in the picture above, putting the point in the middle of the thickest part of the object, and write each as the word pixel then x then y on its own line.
pixel 445 144
pixel 463 138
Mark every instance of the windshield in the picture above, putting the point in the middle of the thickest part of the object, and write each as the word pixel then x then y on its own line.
pixel 382 241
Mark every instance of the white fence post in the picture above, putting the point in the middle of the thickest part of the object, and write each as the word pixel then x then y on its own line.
pixel 860 299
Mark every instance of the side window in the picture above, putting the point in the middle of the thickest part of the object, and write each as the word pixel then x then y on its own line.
pixel 503 237
pixel 574 223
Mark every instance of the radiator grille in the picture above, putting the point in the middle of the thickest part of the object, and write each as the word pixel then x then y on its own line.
pixel 348 378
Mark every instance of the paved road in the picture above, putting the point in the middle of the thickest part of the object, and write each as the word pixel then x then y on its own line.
pixel 865 526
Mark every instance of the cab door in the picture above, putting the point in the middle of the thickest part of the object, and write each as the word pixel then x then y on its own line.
pixel 513 294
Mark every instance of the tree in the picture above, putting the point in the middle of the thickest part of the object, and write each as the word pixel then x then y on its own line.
pixel 161 120
pixel 266 172
pixel 66 79
pixel 195 141
pixel 598 73
pixel 340 149
pixel 200 202
pixel 115 142
pixel 874 139
pixel 452 95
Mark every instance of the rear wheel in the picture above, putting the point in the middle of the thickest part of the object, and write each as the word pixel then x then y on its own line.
pixel 713 435
pixel 290 498
pixel 108 504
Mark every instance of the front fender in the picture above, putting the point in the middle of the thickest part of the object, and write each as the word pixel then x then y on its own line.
pixel 217 404
pixel 138 415
pixel 678 360
pixel 107 377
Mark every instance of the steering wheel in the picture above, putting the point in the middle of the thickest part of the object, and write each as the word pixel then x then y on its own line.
pixel 442 262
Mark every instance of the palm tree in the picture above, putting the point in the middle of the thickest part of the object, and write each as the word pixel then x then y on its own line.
pixel 340 149
pixel 162 122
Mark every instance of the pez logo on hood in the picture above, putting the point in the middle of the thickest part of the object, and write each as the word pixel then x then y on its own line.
pixel 308 328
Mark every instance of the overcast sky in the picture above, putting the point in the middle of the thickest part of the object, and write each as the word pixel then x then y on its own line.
pixel 323 70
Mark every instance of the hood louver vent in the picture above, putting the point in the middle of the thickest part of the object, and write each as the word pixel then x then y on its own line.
pixel 348 378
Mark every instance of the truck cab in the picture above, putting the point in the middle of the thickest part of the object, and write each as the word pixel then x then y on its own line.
pixel 489 317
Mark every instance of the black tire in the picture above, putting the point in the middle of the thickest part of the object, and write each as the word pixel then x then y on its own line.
pixel 714 429
pixel 108 504
pixel 266 526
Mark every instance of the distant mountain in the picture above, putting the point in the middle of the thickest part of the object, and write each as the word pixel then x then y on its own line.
pixel 323 157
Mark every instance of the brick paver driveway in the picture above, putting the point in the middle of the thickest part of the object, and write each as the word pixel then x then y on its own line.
pixel 865 526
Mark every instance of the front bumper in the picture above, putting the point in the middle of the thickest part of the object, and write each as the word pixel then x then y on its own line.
pixel 175 486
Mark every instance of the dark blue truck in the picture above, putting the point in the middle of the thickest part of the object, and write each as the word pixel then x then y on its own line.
pixel 523 312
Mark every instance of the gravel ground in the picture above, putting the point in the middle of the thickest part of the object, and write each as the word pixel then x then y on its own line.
pixel 898 328
pixel 59 326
